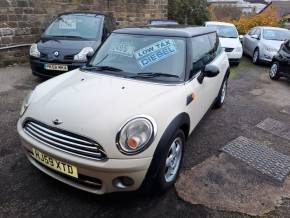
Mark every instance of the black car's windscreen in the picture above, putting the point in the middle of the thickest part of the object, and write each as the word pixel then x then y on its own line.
pixel 276 34
pixel 137 54
pixel 71 25
pixel 225 31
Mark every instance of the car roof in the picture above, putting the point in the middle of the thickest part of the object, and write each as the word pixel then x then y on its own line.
pixel 169 30
pixel 219 23
pixel 163 20
pixel 270 27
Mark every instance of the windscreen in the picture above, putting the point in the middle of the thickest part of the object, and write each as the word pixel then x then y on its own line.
pixel 276 34
pixel 78 26
pixel 225 31
pixel 139 54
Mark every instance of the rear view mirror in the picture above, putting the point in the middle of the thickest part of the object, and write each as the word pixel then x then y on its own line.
pixel 211 70
pixel 208 71
pixel 255 36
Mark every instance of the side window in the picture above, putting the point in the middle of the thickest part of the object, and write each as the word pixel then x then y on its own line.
pixel 258 32
pixel 252 31
pixel 106 29
pixel 215 43
pixel 202 52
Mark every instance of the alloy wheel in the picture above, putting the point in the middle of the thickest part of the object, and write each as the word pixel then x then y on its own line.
pixel 274 70
pixel 173 160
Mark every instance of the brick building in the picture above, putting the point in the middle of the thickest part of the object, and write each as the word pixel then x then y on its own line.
pixel 22 21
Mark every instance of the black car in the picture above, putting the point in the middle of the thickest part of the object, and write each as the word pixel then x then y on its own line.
pixel 68 42
pixel 281 62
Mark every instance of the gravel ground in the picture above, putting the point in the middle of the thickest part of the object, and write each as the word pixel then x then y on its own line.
pixel 26 192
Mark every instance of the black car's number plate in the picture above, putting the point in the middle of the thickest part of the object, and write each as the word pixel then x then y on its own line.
pixel 56 67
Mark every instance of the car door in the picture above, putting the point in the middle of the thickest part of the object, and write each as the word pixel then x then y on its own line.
pixel 205 49
pixel 247 41
pixel 253 41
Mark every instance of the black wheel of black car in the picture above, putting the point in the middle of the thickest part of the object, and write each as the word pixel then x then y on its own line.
pixel 222 95
pixel 274 71
pixel 167 163
pixel 256 56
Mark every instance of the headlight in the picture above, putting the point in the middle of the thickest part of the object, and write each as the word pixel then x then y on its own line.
pixel 82 55
pixel 271 49
pixel 239 49
pixel 34 51
pixel 25 104
pixel 136 135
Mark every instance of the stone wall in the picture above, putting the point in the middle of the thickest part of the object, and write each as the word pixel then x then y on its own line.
pixel 22 21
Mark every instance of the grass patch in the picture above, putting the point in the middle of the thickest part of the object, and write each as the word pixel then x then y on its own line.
pixel 245 62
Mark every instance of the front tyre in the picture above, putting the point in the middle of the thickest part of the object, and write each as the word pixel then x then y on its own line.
pixel 168 164
pixel 256 56
pixel 222 95
pixel 274 71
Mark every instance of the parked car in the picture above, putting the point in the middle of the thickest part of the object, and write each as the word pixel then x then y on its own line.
pixel 229 39
pixel 262 43
pixel 121 122
pixel 281 62
pixel 160 22
pixel 68 42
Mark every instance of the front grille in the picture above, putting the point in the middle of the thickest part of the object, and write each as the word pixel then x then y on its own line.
pixel 63 140
pixel 42 55
pixel 229 49
pixel 69 57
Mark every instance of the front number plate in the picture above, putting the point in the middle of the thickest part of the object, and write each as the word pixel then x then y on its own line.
pixel 56 67
pixel 54 164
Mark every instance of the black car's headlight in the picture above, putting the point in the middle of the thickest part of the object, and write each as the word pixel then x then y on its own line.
pixel 83 54
pixel 136 135
pixel 25 103
pixel 34 52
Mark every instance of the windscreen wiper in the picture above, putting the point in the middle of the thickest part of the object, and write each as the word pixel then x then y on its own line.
pixel 71 37
pixel 101 68
pixel 152 75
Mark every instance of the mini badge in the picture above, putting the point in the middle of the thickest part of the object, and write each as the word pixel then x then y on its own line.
pixel 57 122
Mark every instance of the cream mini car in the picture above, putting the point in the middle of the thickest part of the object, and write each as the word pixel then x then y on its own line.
pixel 121 122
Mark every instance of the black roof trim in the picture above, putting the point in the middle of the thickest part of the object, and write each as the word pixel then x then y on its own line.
pixel 84 13
pixel 170 30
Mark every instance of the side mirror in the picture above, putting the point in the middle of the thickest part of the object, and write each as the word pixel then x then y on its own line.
pixel 241 37
pixel 208 71
pixel 255 36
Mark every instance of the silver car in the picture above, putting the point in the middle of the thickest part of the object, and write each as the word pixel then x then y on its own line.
pixel 262 43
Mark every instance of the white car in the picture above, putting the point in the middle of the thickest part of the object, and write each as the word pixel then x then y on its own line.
pixel 121 122
pixel 229 38
pixel 263 43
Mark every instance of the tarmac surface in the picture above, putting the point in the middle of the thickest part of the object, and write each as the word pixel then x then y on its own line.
pixel 252 98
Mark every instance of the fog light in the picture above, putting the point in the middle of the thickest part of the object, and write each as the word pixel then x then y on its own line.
pixel 123 182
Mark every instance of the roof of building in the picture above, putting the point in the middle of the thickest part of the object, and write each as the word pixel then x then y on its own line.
pixel 283 7
pixel 171 31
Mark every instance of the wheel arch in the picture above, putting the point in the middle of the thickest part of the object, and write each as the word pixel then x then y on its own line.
pixel 181 121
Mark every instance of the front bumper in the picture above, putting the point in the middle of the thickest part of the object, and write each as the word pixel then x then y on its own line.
pixel 234 56
pixel 267 56
pixel 285 69
pixel 37 67
pixel 90 171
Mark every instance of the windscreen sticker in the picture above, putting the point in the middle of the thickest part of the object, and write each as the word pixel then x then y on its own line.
pixel 123 48
pixel 155 52
pixel 69 24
